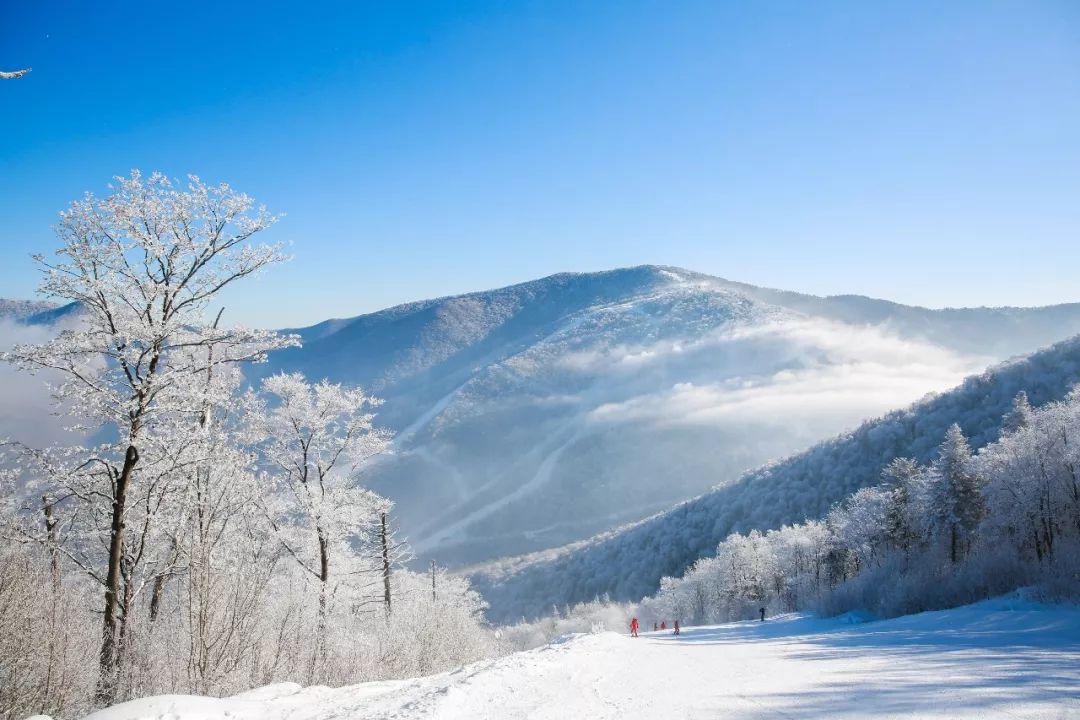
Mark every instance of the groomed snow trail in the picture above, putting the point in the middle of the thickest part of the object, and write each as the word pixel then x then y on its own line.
pixel 998 659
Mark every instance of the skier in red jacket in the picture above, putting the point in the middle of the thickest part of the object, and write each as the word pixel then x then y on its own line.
pixel 663 624
pixel 633 627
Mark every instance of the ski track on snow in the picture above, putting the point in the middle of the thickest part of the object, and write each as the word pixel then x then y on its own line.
pixel 425 538
pixel 539 479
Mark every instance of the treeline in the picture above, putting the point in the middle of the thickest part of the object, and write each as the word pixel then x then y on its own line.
pixel 199 536
pixel 960 528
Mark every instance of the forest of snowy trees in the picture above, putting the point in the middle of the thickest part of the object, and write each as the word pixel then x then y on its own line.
pixel 961 528
pixel 198 535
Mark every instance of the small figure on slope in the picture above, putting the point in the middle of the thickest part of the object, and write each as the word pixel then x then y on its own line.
pixel 762 614
pixel 663 624
pixel 676 627
pixel 633 627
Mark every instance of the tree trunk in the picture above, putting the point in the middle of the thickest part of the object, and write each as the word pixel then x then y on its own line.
pixel 108 657
pixel 319 658
pixel 385 563
pixel 127 612
pixel 155 597
pixel 953 543
pixel 54 567
pixel 54 550
pixel 158 591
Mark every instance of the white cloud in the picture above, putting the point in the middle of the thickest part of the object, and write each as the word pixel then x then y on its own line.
pixel 792 373
pixel 27 411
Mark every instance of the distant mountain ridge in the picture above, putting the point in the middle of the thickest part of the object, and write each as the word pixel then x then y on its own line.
pixel 23 310
pixel 1014 330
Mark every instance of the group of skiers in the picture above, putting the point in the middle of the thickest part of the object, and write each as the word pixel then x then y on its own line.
pixel 634 625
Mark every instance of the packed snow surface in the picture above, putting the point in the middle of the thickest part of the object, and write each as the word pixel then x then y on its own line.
pixel 998 659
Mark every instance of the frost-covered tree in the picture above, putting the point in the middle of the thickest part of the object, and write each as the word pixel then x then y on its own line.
pixel 312 438
pixel 858 525
pixel 905 503
pixel 145 264
pixel 224 559
pixel 1019 416
pixel 1033 480
pixel 957 503
pixel 388 551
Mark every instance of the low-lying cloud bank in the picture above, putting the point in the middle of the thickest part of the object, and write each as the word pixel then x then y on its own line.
pixel 783 373
pixel 27 411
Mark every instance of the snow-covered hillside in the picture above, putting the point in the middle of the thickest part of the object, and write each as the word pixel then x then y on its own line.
pixel 540 414
pixel 1000 658
pixel 21 310
pixel 628 563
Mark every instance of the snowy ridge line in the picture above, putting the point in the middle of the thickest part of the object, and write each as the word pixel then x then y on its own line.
pixel 677 275
pixel 23 310
pixel 415 305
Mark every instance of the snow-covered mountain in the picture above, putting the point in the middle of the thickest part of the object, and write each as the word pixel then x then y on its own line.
pixel 23 310
pixel 542 413
pixel 629 562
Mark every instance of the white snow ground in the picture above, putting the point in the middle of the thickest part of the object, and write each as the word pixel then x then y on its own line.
pixel 997 659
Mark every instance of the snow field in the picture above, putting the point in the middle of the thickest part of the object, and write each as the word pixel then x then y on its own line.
pixel 997 659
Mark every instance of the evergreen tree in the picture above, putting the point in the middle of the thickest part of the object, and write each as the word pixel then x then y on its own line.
pixel 1019 416
pixel 903 474
pixel 957 501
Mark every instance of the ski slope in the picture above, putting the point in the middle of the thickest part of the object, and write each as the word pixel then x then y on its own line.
pixel 997 659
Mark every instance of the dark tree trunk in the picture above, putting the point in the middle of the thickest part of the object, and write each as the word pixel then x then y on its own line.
pixel 54 568
pixel 54 549
pixel 127 611
pixel 109 656
pixel 954 541
pixel 158 591
pixel 385 563
pixel 318 655
pixel 324 579
pixel 155 597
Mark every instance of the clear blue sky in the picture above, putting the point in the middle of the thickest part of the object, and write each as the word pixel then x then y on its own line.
pixel 923 152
